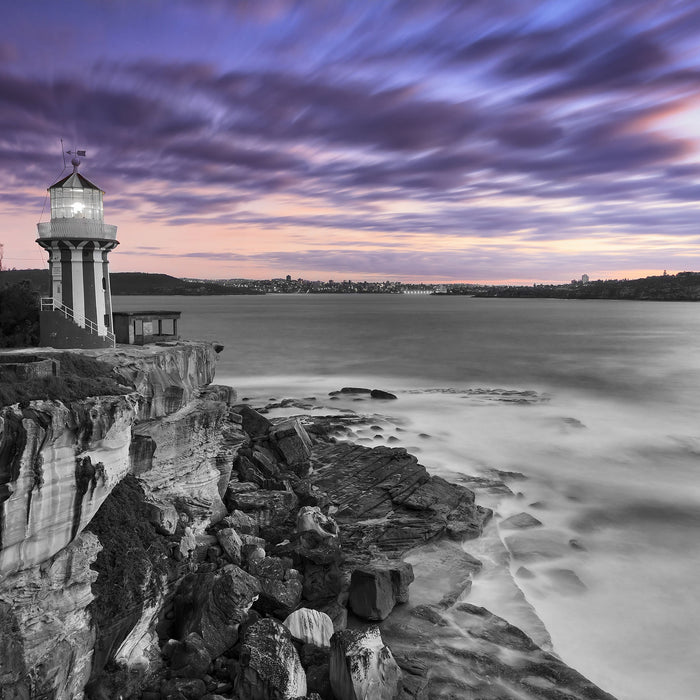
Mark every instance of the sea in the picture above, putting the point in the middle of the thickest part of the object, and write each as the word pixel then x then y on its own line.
pixel 588 409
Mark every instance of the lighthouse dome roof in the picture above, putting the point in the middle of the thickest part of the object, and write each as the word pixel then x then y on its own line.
pixel 75 180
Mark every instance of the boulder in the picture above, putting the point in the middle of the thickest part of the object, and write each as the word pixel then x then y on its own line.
pixel 316 662
pixel 214 604
pixel 266 508
pixel 255 424
pixel 266 463
pixel 270 664
pixel 280 586
pixel 243 524
pixel 318 558
pixel 247 471
pixel 379 394
pixel 190 658
pixel 231 543
pixel 376 588
pixel 520 521
pixel 310 518
pixel 293 443
pixel 310 627
pixel 361 666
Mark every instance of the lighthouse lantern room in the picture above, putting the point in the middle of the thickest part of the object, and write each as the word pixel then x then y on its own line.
pixel 78 314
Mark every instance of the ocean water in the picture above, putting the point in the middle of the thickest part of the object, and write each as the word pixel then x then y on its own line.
pixel 606 438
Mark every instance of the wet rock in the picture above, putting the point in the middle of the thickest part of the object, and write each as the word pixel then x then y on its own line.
pixel 255 424
pixel 231 543
pixel 270 664
pixel 379 394
pixel 520 521
pixel 190 658
pixel 361 666
pixel 310 518
pixel 430 614
pixel 377 588
pixel 214 605
pixel 537 545
pixel 388 501
pixel 350 390
pixel 310 627
pixel 566 581
pixel 293 443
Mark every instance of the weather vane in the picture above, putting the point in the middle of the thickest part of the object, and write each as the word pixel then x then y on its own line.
pixel 75 160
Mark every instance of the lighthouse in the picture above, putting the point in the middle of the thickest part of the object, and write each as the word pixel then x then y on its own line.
pixel 78 314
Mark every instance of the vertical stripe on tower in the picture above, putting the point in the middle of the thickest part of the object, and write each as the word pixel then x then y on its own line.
pixel 108 289
pixel 67 274
pixel 78 300
pixel 99 292
pixel 89 281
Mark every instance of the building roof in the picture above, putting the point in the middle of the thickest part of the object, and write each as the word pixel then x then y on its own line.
pixel 75 180
pixel 138 314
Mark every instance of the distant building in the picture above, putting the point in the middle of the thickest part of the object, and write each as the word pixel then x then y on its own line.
pixel 78 314
pixel 584 279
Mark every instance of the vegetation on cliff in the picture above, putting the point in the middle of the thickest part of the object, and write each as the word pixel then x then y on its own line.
pixel 19 314
pixel 80 376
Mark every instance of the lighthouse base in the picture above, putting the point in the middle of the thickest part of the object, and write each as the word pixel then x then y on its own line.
pixel 57 331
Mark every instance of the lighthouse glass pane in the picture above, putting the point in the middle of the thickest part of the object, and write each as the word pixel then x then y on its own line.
pixel 76 203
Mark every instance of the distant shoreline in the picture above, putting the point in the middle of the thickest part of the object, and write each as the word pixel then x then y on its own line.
pixel 684 286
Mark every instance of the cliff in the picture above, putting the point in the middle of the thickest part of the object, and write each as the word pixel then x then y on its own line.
pixel 59 462
pixel 168 543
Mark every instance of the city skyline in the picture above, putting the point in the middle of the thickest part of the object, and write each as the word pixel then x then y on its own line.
pixel 522 142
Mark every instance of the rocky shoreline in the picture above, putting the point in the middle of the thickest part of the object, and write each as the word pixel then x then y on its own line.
pixel 176 543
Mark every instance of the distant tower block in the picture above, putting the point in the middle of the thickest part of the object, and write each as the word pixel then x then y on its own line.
pixel 78 314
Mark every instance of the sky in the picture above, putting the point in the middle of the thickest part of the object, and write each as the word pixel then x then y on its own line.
pixel 484 141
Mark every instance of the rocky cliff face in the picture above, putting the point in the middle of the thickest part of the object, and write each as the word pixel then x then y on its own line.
pixel 59 463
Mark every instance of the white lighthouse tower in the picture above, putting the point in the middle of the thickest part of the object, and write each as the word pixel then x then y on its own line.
pixel 78 314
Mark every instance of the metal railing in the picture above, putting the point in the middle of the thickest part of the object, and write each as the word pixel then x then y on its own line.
pixel 52 304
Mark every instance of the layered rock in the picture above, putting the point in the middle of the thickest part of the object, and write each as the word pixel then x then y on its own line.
pixel 166 377
pixel 181 464
pixel 270 665
pixel 58 463
pixel 387 502
pixel 362 666
pixel 46 633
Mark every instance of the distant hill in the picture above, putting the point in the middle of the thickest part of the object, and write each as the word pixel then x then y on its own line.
pixel 131 283
pixel 685 286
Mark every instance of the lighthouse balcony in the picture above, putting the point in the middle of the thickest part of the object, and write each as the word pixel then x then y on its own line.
pixel 77 228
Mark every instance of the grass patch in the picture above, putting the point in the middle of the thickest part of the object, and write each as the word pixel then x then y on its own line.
pixel 80 376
